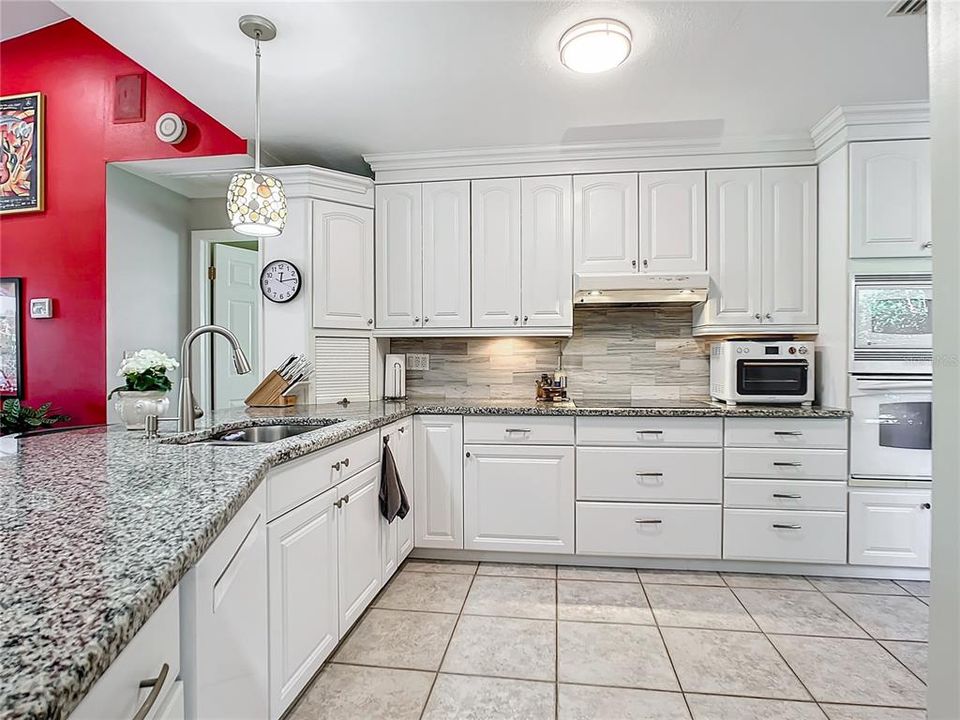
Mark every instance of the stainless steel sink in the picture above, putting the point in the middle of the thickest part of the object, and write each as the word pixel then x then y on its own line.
pixel 264 433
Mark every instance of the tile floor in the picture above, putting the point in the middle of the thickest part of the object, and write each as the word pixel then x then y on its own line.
pixel 449 640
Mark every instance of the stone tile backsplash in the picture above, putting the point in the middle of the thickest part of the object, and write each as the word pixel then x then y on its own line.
pixel 635 352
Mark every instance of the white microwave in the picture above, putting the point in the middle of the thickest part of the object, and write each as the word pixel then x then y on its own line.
pixel 756 371
pixel 892 323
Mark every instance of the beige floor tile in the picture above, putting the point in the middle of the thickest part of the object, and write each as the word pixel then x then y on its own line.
pixel 582 702
pixel 842 670
pixel 797 612
pixel 432 592
pixel 886 617
pixel 572 572
pixel 681 577
pixel 911 654
pixel 618 655
pixel 698 607
pixel 771 582
pixel 503 647
pixel 861 712
pixel 461 697
pixel 918 588
pixel 857 585
pixel 718 707
pixel 348 692
pixel 730 663
pixel 589 600
pixel 518 570
pixel 374 640
pixel 512 597
pixel 441 566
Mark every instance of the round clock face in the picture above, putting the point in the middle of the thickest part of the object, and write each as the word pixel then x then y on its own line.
pixel 280 281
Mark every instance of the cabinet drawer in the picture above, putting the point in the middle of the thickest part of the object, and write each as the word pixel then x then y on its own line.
pixel 785 494
pixel 804 536
pixel 519 429
pixel 295 482
pixel 648 529
pixel 829 433
pixel 650 431
pixel 785 463
pixel 650 474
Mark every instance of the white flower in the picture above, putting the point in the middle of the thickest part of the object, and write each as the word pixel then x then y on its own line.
pixel 145 360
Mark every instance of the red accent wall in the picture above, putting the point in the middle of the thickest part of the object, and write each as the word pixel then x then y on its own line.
pixel 61 252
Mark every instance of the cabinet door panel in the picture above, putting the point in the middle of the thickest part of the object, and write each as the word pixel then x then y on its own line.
pixel 403 455
pixel 495 222
pixel 546 240
pixel 358 534
pixel 789 252
pixel 342 266
pixel 446 254
pixel 673 228
pixel 890 528
pixel 398 259
pixel 438 479
pixel 605 217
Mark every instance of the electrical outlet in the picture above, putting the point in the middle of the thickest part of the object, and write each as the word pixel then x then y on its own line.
pixel 418 361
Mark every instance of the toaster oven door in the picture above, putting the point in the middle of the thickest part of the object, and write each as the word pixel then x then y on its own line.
pixel 773 378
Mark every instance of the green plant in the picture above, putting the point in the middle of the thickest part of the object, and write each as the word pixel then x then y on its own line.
pixel 17 417
pixel 144 371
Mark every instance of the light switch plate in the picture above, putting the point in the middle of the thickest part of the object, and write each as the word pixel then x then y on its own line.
pixel 418 361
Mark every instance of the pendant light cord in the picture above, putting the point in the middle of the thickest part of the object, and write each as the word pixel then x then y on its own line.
pixel 257 123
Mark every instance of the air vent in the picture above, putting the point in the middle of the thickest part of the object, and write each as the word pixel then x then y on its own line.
pixel 894 355
pixel 908 7
pixel 882 278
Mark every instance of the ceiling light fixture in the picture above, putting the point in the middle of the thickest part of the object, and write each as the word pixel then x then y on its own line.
pixel 594 46
pixel 256 203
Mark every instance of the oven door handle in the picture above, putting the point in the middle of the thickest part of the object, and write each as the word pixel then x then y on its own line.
pixel 774 363
pixel 899 385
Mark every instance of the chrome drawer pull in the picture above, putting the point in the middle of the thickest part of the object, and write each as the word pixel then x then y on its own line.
pixel 784 526
pixel 648 522
pixel 787 432
pixel 649 474
pixel 518 430
pixel 156 685
pixel 788 464
pixel 649 432
pixel 788 496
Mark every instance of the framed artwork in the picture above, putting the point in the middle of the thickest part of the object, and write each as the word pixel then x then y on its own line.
pixel 21 153
pixel 11 339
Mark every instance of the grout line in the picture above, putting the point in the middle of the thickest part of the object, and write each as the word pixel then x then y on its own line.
pixel 666 649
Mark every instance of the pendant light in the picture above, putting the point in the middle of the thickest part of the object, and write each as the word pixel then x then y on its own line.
pixel 256 203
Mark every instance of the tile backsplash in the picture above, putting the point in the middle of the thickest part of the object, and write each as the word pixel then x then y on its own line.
pixel 635 352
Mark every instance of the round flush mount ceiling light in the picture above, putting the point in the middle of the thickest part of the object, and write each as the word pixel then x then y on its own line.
pixel 594 46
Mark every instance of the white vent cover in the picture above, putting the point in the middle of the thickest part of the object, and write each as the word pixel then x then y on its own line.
pixel 908 7
pixel 341 369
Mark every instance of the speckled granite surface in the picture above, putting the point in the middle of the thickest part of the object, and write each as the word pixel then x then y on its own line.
pixel 98 525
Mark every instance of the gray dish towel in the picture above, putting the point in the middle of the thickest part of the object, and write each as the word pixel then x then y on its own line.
pixel 393 499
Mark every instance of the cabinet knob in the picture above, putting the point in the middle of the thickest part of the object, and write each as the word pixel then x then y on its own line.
pixel 768 316
pixel 336 466
pixel 525 319
pixel 426 320
pixel 645 262
pixel 402 429
pixel 346 462
pixel 926 245
pixel 468 454
pixel 369 321
pixel 516 319
pixel 416 320
pixel 346 498
pixel 757 316
pixel 633 263
pixel 925 506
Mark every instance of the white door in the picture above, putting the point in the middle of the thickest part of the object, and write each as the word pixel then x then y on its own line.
pixel 304 623
pixel 890 198
pixel 342 266
pixel 403 455
pixel 605 223
pixel 789 247
pixel 358 530
pixel 518 497
pixel 399 265
pixel 438 481
pixel 236 306
pixel 673 225
pixel 890 527
pixel 495 225
pixel 446 254
pixel 546 251
pixel 733 247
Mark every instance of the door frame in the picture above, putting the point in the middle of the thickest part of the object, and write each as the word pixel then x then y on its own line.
pixel 201 309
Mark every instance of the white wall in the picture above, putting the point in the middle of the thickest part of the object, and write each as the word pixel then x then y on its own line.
pixel 148 271
pixel 209 214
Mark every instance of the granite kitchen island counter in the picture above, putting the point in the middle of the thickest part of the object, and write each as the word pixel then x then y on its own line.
pixel 98 525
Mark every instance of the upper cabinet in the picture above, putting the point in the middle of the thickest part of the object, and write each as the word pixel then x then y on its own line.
pixel 673 226
pixel 399 248
pixel 446 254
pixel 546 250
pixel 890 199
pixel 605 231
pixel 342 266
pixel 495 221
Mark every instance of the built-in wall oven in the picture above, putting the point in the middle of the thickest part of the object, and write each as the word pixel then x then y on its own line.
pixel 892 323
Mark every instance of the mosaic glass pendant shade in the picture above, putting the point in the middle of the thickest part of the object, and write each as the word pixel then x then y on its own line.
pixel 256 204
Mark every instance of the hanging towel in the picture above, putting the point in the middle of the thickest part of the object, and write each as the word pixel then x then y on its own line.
pixel 393 499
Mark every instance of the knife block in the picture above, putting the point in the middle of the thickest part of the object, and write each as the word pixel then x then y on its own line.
pixel 269 393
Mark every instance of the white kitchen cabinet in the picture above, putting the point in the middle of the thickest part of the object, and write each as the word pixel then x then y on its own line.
pixel 546 251
pixel 396 538
pixel 224 621
pixel 304 621
pixel 438 481
pixel 606 223
pixel 649 529
pixel 399 248
pixel 890 527
pixel 673 230
pixel 358 542
pixel 446 254
pixel 784 535
pixel 495 223
pixel 342 266
pixel 890 199
pixel 519 498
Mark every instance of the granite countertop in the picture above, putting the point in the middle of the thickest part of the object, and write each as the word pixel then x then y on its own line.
pixel 98 525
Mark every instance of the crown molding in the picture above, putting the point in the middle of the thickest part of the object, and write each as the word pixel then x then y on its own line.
pixel 322 184
pixel 876 121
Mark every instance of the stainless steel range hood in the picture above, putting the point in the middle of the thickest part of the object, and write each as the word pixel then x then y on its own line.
pixel 640 288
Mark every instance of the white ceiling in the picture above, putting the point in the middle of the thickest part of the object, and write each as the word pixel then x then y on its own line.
pixel 347 78
pixel 18 17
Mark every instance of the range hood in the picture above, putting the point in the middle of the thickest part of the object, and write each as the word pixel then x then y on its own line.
pixel 640 288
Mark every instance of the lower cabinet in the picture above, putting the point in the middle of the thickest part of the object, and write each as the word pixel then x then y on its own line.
pixel 648 529
pixel 518 497
pixel 438 481
pixel 785 535
pixel 358 533
pixel 890 527
pixel 396 538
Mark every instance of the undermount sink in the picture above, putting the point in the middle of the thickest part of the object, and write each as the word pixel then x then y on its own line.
pixel 264 433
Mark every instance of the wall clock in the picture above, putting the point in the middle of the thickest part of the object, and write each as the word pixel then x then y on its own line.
pixel 280 281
